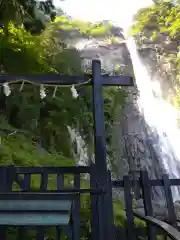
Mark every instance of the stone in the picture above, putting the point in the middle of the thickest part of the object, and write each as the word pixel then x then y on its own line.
pixel 177 209
pixel 159 209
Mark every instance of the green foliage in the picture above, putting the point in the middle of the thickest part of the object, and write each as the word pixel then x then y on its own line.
pixel 34 131
pixel 19 55
pixel 34 26
pixel 120 215
pixel 63 23
pixel 18 10
pixel 162 19
pixel 19 150
pixel 18 51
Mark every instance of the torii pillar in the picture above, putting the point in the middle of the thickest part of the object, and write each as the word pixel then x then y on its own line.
pixel 98 81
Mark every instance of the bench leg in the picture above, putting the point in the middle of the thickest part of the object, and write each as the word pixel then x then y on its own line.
pixel 3 233
pixel 67 230
pixel 58 233
pixel 40 233
pixel 21 233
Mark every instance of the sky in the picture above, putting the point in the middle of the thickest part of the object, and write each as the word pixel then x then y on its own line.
pixel 119 11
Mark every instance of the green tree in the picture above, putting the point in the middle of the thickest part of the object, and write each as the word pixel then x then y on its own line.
pixel 162 19
pixel 17 10
pixel 26 11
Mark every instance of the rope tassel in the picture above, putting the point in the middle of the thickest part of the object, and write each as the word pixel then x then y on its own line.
pixel 42 91
pixel 74 92
pixel 7 90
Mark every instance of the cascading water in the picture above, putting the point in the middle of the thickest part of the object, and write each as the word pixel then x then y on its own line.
pixel 80 150
pixel 161 131
pixel 161 118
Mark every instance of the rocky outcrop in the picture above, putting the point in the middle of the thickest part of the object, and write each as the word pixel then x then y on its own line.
pixel 112 52
pixel 142 146
pixel 135 144
pixel 133 141
pixel 159 55
pixel 159 209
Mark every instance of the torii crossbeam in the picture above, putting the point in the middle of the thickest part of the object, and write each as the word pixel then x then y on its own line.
pixel 58 79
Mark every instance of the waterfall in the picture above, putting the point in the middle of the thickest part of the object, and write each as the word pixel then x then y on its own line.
pixel 162 131
pixel 80 148
pixel 158 116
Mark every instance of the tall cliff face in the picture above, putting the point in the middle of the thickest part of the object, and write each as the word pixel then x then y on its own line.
pixel 129 140
pixel 115 60
pixel 160 56
pixel 112 55
pixel 136 143
pixel 133 139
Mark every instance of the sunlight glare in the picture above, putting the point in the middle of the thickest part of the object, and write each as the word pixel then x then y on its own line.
pixel 118 11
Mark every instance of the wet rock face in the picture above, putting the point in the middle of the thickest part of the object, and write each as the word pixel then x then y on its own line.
pixel 135 145
pixel 132 145
pixel 132 139
pixel 128 134
pixel 156 55
pixel 110 49
pixel 110 55
pixel 159 209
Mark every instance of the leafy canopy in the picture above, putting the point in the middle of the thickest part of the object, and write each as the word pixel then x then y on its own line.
pixel 18 10
pixel 162 19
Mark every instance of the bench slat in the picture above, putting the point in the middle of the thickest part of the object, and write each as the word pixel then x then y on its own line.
pixel 37 196
pixel 33 219
pixel 35 205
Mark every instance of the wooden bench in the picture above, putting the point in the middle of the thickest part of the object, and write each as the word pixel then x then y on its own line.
pixel 35 209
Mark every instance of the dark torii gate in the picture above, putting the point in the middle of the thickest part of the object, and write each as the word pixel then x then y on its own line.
pixel 97 82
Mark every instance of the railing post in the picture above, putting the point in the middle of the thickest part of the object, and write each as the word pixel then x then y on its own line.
pixel 110 208
pixel 7 176
pixel 148 208
pixel 95 231
pixel 169 200
pixel 129 208
pixel 22 231
pixel 100 141
pixel 76 210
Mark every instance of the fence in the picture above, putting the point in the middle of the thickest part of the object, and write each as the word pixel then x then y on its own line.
pixel 62 179
pixel 69 179
pixel 146 184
